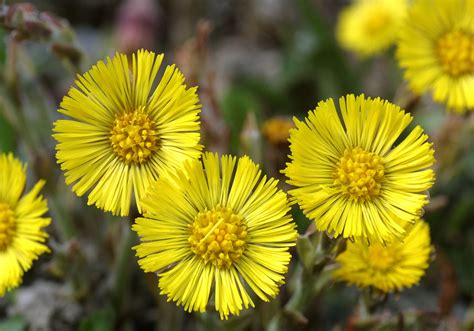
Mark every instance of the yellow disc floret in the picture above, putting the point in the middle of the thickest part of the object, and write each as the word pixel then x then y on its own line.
pixel 380 258
pixel 134 137
pixel 379 19
pixel 277 130
pixel 456 53
pixel 218 236
pixel 7 226
pixel 359 174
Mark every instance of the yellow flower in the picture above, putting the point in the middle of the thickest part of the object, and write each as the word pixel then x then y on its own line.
pixel 387 268
pixel 277 130
pixel 216 228
pixel 350 177
pixel 125 129
pixel 436 49
pixel 369 27
pixel 21 235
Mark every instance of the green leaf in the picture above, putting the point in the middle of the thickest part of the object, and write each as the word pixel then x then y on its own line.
pixel 7 138
pixel 236 104
pixel 16 323
pixel 3 48
pixel 6 132
pixel 102 320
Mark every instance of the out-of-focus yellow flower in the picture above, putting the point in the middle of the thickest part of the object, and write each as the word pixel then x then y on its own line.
pixel 350 178
pixel 388 268
pixel 277 130
pixel 125 129
pixel 436 49
pixel 21 223
pixel 369 27
pixel 216 229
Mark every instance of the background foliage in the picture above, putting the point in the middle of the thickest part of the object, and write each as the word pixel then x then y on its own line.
pixel 252 60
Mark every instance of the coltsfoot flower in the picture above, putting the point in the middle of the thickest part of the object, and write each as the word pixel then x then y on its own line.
pixel 436 49
pixel 351 178
pixel 21 222
pixel 216 229
pixel 126 129
pixel 369 27
pixel 277 130
pixel 388 268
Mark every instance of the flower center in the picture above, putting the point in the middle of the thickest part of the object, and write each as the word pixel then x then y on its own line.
pixel 218 236
pixel 359 174
pixel 378 19
pixel 456 53
pixel 7 226
pixel 133 137
pixel 277 130
pixel 380 258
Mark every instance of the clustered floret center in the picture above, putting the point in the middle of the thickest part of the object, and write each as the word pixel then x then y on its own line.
pixel 455 51
pixel 380 19
pixel 218 236
pixel 134 137
pixel 380 258
pixel 7 226
pixel 359 174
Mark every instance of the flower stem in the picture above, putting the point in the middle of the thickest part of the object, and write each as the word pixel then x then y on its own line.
pixel 122 269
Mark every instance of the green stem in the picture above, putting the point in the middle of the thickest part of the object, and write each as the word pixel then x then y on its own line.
pixel 363 306
pixel 311 278
pixel 122 269
pixel 63 219
pixel 301 296
pixel 208 322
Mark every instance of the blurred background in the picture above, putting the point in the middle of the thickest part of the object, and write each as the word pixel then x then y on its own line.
pixel 257 64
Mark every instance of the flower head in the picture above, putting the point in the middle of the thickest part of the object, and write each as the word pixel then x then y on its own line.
pixel 216 228
pixel 436 49
pixel 388 268
pixel 21 223
pixel 125 131
pixel 369 27
pixel 277 130
pixel 351 178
